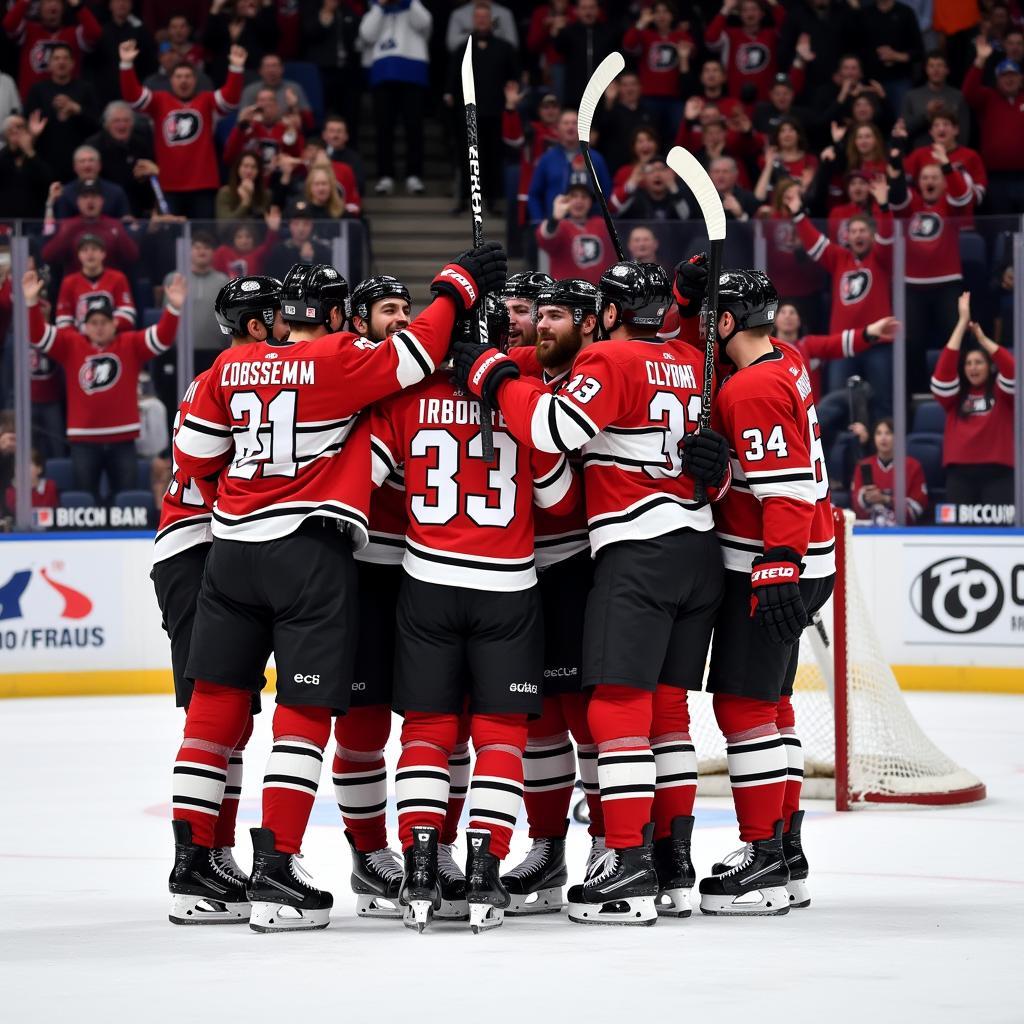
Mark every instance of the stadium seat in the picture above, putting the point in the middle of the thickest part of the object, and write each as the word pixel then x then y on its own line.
pixel 927 449
pixel 142 474
pixel 974 259
pixel 308 77
pixel 149 316
pixel 137 499
pixel 59 471
pixel 929 418
pixel 931 357
pixel 77 499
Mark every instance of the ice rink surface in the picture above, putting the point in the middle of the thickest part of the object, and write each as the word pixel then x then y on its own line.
pixel 917 914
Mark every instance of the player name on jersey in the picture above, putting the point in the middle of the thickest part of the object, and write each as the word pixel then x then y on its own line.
pixel 452 411
pixel 259 373
pixel 670 375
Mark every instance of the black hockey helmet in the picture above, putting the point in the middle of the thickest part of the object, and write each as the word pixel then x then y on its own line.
pixel 244 299
pixel 310 292
pixel 575 294
pixel 497 324
pixel 749 296
pixel 526 285
pixel 642 293
pixel 372 290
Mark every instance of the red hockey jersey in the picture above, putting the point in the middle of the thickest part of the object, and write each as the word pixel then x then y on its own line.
pixel 470 521
pixel 183 130
pixel 861 288
pixel 44 378
pixel 779 495
pixel 389 523
pixel 281 418
pixel 76 290
pixel 978 428
pixel 266 141
pixel 967 161
pixel 933 231
pixel 883 477
pixel 102 383
pixel 36 42
pixel 627 406
pixel 577 250
pixel 185 515
pixel 658 59
pixel 748 59
pixel 235 263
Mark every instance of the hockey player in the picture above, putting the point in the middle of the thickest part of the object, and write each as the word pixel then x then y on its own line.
pixel 247 310
pixel 519 294
pixel 292 502
pixel 380 306
pixel 566 322
pixel 469 597
pixel 775 526
pixel 631 405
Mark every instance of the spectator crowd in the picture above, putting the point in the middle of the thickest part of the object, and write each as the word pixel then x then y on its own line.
pixel 828 125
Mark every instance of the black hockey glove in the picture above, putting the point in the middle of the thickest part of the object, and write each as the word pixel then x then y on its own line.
pixel 705 457
pixel 775 600
pixel 479 369
pixel 691 282
pixel 472 274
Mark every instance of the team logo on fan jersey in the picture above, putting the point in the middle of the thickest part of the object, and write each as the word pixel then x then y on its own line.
pixel 785 237
pixel 99 372
pixel 752 58
pixel 182 126
pixel 268 150
pixel 925 226
pixel 854 286
pixel 662 57
pixel 587 250
pixel 82 305
pixel 39 58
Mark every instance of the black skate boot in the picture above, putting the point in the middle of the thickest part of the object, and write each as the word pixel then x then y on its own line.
pixel 453 886
pixel 282 898
pixel 676 876
pixel 535 884
pixel 485 894
pixel 754 886
pixel 376 880
pixel 792 849
pixel 203 890
pixel 620 887
pixel 421 890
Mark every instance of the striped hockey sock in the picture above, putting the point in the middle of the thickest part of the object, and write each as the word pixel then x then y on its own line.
pixel 496 789
pixel 359 775
pixel 216 719
pixel 786 721
pixel 422 780
pixel 549 768
pixel 293 772
pixel 224 832
pixel 674 757
pixel 458 771
pixel 586 754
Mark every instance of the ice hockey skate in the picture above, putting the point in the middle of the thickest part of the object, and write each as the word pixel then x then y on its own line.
pixel 453 886
pixel 620 887
pixel 485 893
pixel 754 886
pixel 207 886
pixel 282 898
pixel 421 891
pixel 796 861
pixel 535 883
pixel 676 876
pixel 376 880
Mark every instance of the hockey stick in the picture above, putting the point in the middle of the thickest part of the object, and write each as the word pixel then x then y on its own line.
pixel 476 206
pixel 603 76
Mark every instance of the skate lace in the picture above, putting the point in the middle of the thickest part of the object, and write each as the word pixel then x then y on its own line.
pixel 535 861
pixel 602 867
pixel 739 859
pixel 386 863
pixel 299 873
pixel 223 863
pixel 446 863
pixel 597 849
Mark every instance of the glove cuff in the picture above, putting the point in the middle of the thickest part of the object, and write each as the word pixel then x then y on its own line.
pixel 454 280
pixel 776 565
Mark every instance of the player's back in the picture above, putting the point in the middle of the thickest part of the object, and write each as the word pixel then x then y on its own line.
pixel 767 412
pixel 470 521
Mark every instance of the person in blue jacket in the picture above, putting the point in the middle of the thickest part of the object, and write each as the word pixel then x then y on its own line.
pixel 554 169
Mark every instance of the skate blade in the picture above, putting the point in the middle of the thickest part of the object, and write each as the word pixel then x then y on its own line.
pixel 543 901
pixel 418 914
pixel 799 894
pixel 377 906
pixel 673 903
pixel 452 910
pixel 637 911
pixel 772 901
pixel 276 917
pixel 196 910
pixel 483 917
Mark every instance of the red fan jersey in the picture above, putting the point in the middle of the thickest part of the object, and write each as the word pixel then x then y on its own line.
pixel 627 406
pixel 388 523
pixel 76 290
pixel 816 349
pixel 577 250
pixel 44 378
pixel 933 231
pixel 779 495
pixel 235 263
pixel 882 475
pixel 266 141
pixel 558 537
pixel 658 64
pixel 967 161
pixel 103 406
pixel 861 288
pixel 789 266
pixel 470 521
pixel 839 220
pixel 749 59
pixel 279 418
pixel 542 138
pixel 183 129
pixel 979 425
pixel 36 42
pixel 185 514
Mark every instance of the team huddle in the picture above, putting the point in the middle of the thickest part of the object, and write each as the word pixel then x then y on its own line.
pixel 548 594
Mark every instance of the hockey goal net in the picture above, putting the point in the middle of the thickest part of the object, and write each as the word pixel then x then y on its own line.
pixel 861 742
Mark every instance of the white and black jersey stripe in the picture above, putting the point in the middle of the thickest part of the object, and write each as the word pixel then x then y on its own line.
pixel 414 362
pixel 202 439
pixel 738 554
pixel 560 426
pixel 651 516
pixel 183 534
pixel 286 517
pixel 477 572
pixel 557 547
pixel 633 449
pixel 552 487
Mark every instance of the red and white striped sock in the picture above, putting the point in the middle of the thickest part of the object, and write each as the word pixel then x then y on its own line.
pixel 224 832
pixel 786 721
pixel 674 758
pixel 359 775
pixel 574 708
pixel 496 788
pixel 421 779
pixel 458 771
pixel 549 769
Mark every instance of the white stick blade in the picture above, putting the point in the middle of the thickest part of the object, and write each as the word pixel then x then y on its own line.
pixel 468 82
pixel 604 74
pixel 693 175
